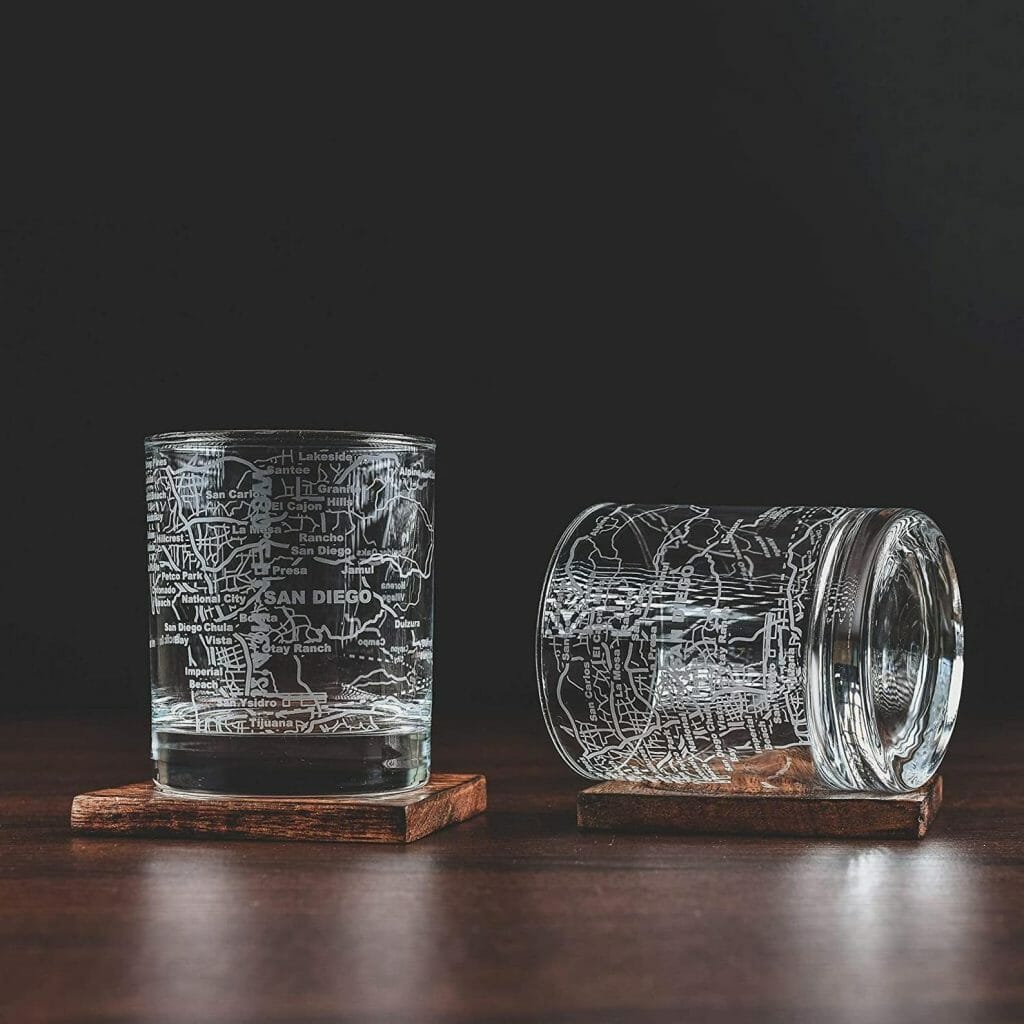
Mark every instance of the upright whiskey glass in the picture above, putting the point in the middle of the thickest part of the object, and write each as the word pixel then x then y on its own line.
pixel 291 610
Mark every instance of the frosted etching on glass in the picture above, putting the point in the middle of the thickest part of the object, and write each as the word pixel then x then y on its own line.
pixel 671 638
pixel 290 590
pixel 685 643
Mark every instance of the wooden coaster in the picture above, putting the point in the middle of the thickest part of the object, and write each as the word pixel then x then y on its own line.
pixel 141 810
pixel 791 811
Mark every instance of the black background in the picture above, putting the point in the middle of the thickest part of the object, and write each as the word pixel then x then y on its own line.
pixel 767 254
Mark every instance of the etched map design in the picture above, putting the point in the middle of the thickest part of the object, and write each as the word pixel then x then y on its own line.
pixel 291 590
pixel 671 638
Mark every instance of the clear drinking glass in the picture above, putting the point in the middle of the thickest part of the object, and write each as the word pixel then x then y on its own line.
pixel 291 597
pixel 682 643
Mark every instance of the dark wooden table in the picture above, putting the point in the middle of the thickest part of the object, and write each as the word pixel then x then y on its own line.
pixel 514 916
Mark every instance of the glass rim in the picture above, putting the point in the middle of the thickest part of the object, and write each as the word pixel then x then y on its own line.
pixel 290 437
pixel 549 719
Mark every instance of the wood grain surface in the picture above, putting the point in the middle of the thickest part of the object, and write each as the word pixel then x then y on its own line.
pixel 513 916
pixel 806 809
pixel 138 809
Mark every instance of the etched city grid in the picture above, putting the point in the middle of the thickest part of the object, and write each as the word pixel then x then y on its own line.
pixel 290 589
pixel 671 638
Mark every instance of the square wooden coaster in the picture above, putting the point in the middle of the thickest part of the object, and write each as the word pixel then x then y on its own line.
pixel 139 809
pixel 807 811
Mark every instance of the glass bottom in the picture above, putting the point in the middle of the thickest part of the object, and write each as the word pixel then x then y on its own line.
pixel 348 764
pixel 885 654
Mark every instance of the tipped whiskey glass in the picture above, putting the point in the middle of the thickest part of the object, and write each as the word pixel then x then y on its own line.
pixel 683 643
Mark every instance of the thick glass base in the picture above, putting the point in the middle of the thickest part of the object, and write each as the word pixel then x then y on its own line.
pixel 884 656
pixel 349 764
